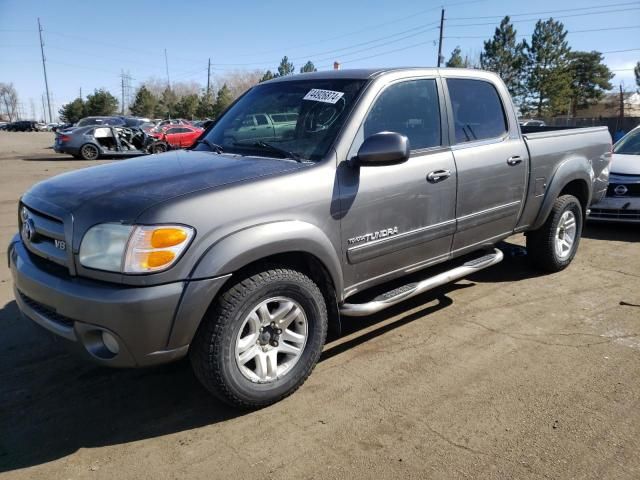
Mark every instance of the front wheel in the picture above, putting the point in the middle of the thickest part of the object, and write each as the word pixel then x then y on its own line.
pixel 553 246
pixel 261 338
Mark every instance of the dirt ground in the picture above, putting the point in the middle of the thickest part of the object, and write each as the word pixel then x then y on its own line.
pixel 506 374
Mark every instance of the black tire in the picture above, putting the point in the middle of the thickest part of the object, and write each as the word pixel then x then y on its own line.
pixel 541 243
pixel 212 352
pixel 159 147
pixel 89 152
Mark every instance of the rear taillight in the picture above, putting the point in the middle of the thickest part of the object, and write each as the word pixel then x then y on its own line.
pixel 64 138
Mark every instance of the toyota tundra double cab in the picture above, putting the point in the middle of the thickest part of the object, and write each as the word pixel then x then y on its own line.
pixel 240 252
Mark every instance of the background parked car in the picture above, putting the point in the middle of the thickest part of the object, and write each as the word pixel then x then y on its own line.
pixel 95 141
pixel 532 123
pixel 22 126
pixel 116 121
pixel 179 136
pixel 622 202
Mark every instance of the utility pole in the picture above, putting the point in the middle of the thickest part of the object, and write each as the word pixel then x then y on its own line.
pixel 80 97
pixel 122 84
pixel 208 77
pixel 44 68
pixel 44 110
pixel 621 104
pixel 440 58
pixel 166 65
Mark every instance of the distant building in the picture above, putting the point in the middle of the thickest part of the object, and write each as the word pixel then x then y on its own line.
pixel 609 106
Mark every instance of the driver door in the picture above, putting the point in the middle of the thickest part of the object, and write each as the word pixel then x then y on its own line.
pixel 394 218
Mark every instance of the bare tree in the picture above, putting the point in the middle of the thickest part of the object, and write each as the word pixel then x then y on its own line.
pixel 238 81
pixel 9 101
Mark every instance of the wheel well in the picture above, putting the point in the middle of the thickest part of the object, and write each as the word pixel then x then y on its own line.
pixel 579 189
pixel 311 266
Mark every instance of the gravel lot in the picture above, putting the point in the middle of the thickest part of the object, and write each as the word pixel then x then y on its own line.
pixel 506 374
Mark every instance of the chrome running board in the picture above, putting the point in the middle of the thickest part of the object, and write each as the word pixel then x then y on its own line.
pixel 410 290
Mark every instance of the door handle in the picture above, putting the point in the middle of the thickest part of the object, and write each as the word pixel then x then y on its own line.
pixel 438 175
pixel 515 160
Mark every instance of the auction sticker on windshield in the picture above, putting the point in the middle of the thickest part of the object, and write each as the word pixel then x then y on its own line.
pixel 326 96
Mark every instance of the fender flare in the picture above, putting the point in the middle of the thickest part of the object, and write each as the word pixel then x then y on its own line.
pixel 246 246
pixel 576 168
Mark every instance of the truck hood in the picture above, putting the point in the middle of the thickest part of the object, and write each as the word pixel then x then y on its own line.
pixel 625 164
pixel 120 191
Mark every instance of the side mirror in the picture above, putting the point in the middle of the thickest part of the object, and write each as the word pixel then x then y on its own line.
pixel 384 148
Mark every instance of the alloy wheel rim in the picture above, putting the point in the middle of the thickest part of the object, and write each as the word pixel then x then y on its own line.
pixel 565 234
pixel 271 339
pixel 90 152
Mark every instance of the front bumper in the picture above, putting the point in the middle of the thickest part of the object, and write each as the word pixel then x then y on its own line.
pixel 616 209
pixel 151 325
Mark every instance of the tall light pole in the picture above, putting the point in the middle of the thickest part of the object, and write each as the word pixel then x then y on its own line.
pixel 44 69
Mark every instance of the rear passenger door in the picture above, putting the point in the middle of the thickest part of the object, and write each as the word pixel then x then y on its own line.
pixel 397 218
pixel 491 159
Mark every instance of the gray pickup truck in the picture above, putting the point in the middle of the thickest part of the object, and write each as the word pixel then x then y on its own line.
pixel 242 254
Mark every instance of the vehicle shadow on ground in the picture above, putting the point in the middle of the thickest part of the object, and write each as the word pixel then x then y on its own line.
pixel 53 403
pixel 620 232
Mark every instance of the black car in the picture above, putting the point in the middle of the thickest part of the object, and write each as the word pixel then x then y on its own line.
pixel 22 126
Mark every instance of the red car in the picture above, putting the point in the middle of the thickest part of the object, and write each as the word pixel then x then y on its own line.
pixel 179 136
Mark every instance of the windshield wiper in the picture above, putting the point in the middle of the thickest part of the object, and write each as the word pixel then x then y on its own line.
pixel 285 153
pixel 213 146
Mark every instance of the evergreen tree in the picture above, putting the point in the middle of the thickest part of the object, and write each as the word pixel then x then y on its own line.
pixel 205 108
pixel 308 67
pixel 548 79
pixel 285 67
pixel 505 56
pixel 456 61
pixel 166 106
pixel 144 104
pixel 589 78
pixel 100 103
pixel 636 71
pixel 223 100
pixel 186 107
pixel 72 111
pixel 268 75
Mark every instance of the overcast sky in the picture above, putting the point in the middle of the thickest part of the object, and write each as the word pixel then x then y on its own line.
pixel 88 44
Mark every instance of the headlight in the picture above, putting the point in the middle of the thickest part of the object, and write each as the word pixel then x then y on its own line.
pixel 133 249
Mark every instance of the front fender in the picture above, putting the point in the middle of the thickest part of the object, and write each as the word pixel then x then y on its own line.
pixel 243 247
pixel 576 168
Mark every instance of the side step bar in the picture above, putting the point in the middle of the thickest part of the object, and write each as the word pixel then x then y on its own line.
pixel 405 292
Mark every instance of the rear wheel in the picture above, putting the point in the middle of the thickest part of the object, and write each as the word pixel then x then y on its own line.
pixel 553 246
pixel 89 152
pixel 261 338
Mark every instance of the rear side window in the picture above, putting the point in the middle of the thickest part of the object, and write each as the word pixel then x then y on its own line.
pixel 410 108
pixel 262 120
pixel 477 110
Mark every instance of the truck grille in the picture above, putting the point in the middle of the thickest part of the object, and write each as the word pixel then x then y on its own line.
pixel 628 215
pixel 621 185
pixel 43 235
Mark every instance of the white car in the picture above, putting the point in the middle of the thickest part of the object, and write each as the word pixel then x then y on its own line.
pixel 622 202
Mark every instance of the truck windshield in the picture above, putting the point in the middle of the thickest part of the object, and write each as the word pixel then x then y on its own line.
pixel 301 117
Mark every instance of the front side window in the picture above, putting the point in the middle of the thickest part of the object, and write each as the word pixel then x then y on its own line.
pixel 410 108
pixel 314 112
pixel 477 110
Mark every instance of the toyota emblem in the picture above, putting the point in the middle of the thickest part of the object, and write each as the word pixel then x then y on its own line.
pixel 620 190
pixel 28 229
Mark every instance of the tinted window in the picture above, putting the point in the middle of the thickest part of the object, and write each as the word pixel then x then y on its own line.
pixel 262 120
pixel 172 130
pixel 410 108
pixel 477 110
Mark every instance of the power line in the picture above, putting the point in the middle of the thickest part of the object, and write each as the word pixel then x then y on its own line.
pixel 534 19
pixel 547 12
pixel 457 37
